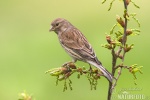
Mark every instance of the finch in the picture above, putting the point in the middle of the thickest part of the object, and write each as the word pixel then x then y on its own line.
pixel 76 45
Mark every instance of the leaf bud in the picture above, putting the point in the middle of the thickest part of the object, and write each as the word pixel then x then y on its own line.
pixel 128 1
pixel 120 21
pixel 129 32
pixel 108 38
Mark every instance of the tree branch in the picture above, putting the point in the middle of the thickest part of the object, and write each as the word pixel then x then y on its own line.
pixel 116 55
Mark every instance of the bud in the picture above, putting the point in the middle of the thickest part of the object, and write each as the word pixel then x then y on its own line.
pixel 67 75
pixel 120 39
pixel 55 71
pixel 97 76
pixel 129 32
pixel 128 48
pixel 113 42
pixel 95 70
pixel 120 56
pixel 108 38
pixel 72 65
pixel 120 21
pixel 61 77
pixel 130 69
pixel 80 70
pixel 64 69
pixel 128 1
pixel 109 46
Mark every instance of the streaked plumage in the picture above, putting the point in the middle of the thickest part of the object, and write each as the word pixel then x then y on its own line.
pixel 76 45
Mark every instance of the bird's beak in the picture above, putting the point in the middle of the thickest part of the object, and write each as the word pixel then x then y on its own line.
pixel 51 29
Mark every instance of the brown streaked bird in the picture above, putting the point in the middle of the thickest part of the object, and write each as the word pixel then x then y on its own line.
pixel 76 45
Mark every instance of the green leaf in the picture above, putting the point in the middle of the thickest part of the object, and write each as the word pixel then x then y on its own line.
pixel 134 69
pixel 135 4
pixel 103 1
pixel 112 29
pixel 110 6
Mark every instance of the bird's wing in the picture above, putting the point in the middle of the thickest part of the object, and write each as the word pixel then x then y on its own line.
pixel 76 41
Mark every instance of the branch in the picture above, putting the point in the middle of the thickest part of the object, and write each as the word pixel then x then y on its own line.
pixel 115 55
pixel 64 73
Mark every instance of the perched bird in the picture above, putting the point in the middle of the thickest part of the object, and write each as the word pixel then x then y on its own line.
pixel 76 45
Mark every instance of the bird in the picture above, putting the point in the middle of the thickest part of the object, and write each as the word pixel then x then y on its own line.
pixel 76 45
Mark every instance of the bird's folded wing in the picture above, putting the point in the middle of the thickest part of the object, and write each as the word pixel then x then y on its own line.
pixel 75 40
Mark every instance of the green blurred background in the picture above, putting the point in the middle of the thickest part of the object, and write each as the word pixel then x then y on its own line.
pixel 27 49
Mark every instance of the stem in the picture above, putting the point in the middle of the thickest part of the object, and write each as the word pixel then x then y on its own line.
pixel 114 60
pixel 115 56
pixel 126 22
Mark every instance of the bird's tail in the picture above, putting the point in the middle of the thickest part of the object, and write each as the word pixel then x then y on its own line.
pixel 104 71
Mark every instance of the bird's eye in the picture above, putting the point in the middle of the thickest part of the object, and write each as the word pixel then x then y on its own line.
pixel 57 24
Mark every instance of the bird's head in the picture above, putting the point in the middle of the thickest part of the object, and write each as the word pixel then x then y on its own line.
pixel 59 25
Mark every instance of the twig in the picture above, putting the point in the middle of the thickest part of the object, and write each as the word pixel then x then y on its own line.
pixel 119 73
pixel 116 55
